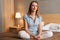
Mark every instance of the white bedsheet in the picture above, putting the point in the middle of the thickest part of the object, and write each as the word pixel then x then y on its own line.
pixel 52 27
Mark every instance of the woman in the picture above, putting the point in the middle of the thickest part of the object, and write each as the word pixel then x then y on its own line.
pixel 33 24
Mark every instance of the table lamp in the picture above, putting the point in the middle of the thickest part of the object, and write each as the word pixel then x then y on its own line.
pixel 18 16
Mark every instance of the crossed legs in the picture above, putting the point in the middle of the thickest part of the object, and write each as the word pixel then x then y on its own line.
pixel 46 34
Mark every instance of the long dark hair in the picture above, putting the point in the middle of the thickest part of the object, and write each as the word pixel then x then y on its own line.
pixel 37 11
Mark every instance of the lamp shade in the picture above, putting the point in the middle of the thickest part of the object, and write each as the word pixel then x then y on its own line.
pixel 17 15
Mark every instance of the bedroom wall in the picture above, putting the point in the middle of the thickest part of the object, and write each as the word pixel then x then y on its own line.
pixel 50 6
pixel 1 26
pixel 50 9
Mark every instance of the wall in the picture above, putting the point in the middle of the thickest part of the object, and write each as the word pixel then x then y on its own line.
pixel 49 6
pixel 1 26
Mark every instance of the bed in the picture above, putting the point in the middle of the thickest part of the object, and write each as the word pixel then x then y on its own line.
pixel 13 36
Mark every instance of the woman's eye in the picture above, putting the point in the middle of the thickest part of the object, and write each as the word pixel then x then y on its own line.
pixel 32 5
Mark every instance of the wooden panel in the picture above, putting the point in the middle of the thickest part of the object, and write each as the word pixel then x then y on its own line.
pixel 8 14
pixel 51 18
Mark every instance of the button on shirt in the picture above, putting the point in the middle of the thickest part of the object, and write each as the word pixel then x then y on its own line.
pixel 32 25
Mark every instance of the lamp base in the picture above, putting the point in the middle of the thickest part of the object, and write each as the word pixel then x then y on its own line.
pixel 18 25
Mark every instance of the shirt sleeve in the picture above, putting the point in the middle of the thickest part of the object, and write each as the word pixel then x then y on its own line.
pixel 40 19
pixel 25 17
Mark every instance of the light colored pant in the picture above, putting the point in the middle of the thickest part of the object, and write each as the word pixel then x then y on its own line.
pixel 24 34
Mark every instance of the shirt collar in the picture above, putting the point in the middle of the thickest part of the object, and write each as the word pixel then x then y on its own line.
pixel 31 16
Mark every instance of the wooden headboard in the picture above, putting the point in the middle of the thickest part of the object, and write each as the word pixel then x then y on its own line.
pixel 51 18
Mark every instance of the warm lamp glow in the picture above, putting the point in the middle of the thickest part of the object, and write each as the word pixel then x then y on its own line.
pixel 18 15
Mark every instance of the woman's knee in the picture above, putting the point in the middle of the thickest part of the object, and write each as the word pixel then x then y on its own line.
pixel 23 34
pixel 49 33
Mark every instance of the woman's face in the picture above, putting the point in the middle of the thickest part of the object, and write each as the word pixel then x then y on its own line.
pixel 34 7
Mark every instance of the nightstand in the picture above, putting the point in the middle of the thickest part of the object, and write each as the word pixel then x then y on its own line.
pixel 14 29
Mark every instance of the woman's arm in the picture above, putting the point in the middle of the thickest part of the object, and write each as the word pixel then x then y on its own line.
pixel 26 29
pixel 39 29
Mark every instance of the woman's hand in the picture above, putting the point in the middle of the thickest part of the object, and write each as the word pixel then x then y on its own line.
pixel 37 37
